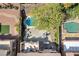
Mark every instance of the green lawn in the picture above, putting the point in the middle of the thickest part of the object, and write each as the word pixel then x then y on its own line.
pixel 4 29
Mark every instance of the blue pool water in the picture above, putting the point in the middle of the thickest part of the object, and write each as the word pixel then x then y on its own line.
pixel 28 21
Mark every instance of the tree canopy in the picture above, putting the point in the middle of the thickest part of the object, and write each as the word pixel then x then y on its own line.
pixel 48 16
pixel 73 12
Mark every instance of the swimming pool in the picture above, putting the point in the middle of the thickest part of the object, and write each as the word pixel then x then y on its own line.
pixel 28 21
pixel 71 27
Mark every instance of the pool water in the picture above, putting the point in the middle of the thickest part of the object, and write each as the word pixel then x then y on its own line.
pixel 71 27
pixel 28 21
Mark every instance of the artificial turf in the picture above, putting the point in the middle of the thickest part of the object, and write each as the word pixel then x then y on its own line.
pixel 4 29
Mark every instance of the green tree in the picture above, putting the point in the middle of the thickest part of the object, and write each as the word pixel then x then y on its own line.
pixel 73 12
pixel 49 17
